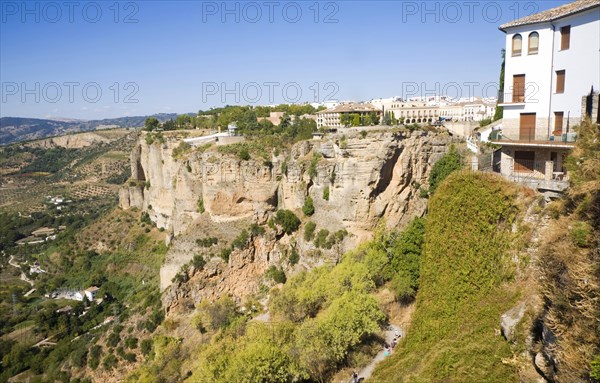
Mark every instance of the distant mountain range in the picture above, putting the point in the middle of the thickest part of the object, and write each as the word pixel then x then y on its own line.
pixel 17 129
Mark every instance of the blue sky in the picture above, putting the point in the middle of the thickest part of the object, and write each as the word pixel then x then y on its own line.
pixel 93 60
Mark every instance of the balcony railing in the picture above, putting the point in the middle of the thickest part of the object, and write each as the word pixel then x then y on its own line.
pixel 569 138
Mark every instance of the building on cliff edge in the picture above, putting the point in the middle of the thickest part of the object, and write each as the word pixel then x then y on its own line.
pixel 552 62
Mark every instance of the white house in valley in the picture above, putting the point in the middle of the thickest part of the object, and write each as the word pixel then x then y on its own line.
pixel 552 61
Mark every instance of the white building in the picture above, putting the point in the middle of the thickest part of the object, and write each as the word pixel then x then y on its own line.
pixel 332 117
pixel 91 293
pixel 552 61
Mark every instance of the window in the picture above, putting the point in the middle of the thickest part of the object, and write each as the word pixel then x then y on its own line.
pixel 517 44
pixel 560 81
pixel 565 38
pixel 558 123
pixel 534 43
pixel 518 88
pixel 524 161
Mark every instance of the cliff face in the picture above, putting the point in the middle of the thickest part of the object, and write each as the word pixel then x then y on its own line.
pixel 371 177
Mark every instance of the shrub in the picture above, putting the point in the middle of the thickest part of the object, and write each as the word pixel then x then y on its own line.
pixel 218 314
pixel 113 339
pixel 198 261
pixel 256 230
pixel 363 133
pixel 207 242
pixel 241 240
pixel 581 234
pixel 225 253
pixel 200 204
pixel 109 362
pixel 294 257
pixel 243 154
pixel 309 231
pixel 326 193
pixel 321 239
pixel 131 342
pixel 485 122
pixel 275 274
pixel 287 220
pixel 314 162
pixel 146 346
pixel 449 163
pixel 181 149
pixel 309 207
pixel 129 357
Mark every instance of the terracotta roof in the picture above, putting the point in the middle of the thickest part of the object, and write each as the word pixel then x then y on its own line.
pixel 553 13
pixel 351 107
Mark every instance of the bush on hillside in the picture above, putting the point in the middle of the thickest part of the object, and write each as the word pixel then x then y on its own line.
pixel 287 220
pixel 445 166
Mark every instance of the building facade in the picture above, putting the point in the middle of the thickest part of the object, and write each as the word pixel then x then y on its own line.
pixel 552 61
pixel 332 117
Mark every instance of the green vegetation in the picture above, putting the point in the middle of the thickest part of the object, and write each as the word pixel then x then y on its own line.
pixel 570 276
pixel 359 119
pixel 309 231
pixel 181 150
pixel 294 257
pixel 485 122
pixel 241 240
pixel 323 317
pixel 465 260
pixel 449 163
pixel 308 208
pixel 499 112
pixel 287 220
pixel 313 167
pixel 326 241
pixel 119 274
pixel 200 205
pixel 276 274
pixel 326 193
pixel 207 242
pixel 256 230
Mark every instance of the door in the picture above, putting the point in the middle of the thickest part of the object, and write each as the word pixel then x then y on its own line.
pixel 524 161
pixel 518 88
pixel 527 127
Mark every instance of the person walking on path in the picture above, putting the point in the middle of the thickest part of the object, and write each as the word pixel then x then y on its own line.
pixel 355 377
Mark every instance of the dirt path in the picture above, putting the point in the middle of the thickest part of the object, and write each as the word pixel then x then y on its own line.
pixel 23 276
pixel 367 371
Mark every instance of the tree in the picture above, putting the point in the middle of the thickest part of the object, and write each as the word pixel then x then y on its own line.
pixel 169 125
pixel 182 121
pixel 346 119
pixel 287 220
pixel 151 124
pixel 309 231
pixel 309 207
pixel 500 110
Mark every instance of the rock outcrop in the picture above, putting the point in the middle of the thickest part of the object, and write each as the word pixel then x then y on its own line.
pixel 368 178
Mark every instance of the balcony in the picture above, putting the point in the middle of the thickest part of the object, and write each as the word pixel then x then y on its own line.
pixel 511 99
pixel 540 175
pixel 565 140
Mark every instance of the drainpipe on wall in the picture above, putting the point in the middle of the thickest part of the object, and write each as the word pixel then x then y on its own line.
pixel 551 77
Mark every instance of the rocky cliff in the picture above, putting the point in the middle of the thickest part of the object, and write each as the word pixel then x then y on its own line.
pixel 205 193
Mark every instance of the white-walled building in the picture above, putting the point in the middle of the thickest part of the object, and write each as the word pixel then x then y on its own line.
pixel 552 61
pixel 332 117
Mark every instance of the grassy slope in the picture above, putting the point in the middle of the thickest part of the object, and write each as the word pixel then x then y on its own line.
pixel 454 335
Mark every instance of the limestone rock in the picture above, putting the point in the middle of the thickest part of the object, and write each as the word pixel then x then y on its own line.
pixel 370 178
pixel 510 319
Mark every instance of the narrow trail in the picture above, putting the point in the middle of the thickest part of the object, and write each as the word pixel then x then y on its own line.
pixel 367 371
pixel 23 276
